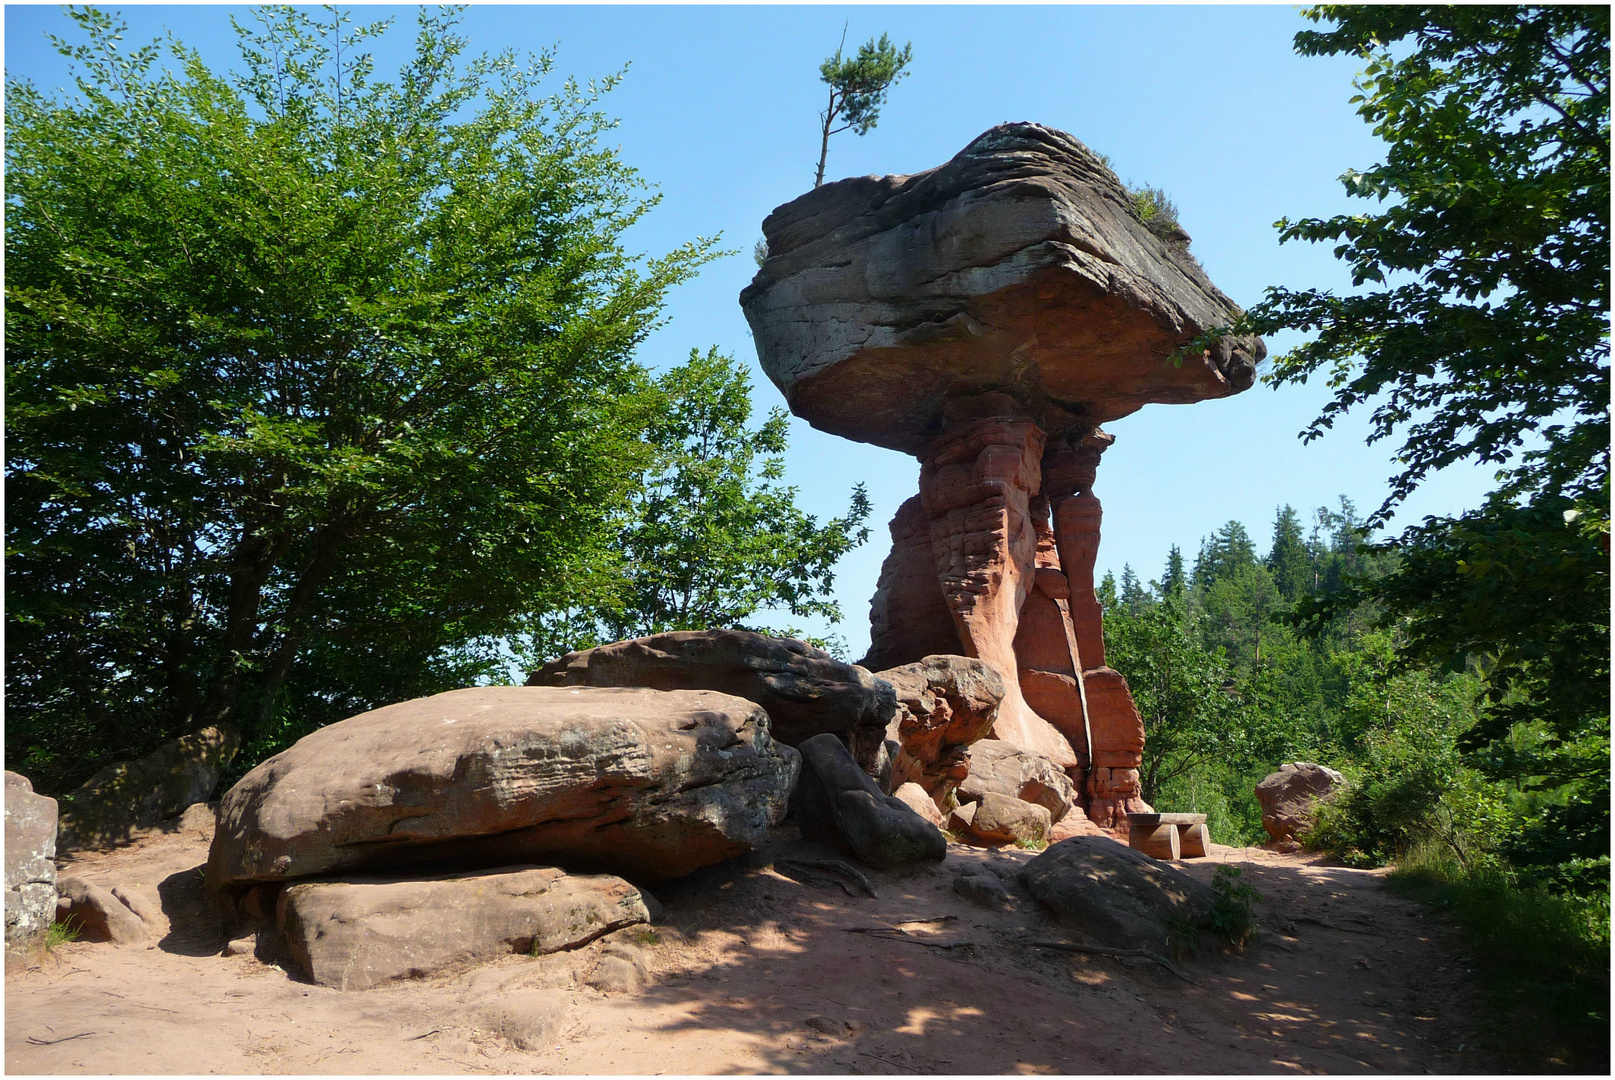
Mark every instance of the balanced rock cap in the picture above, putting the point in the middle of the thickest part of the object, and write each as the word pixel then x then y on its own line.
pixel 1020 267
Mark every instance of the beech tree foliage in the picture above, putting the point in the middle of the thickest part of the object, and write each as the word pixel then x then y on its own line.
pixel 1480 332
pixel 710 537
pixel 312 379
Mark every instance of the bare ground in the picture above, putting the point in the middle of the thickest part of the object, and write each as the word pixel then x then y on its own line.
pixel 1344 978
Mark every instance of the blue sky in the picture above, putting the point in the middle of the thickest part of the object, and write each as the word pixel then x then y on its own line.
pixel 719 108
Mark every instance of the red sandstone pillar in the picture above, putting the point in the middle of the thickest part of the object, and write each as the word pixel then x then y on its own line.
pixel 1117 730
pixel 976 480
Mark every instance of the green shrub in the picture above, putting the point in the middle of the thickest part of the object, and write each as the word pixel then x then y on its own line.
pixel 1233 916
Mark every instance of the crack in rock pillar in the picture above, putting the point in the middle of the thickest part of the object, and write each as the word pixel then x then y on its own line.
pixel 1068 469
pixel 976 481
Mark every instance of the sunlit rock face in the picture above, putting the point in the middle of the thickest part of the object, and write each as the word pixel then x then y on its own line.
pixel 1019 266
pixel 987 316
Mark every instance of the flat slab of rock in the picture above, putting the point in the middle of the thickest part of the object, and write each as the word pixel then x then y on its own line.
pixel 646 783
pixel 30 861
pixel 805 691
pixel 129 795
pixel 1289 796
pixel 838 804
pixel 352 935
pixel 1019 266
pixel 1110 894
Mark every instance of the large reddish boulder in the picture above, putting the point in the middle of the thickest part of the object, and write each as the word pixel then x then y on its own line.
pixel 1289 797
pixel 128 795
pixel 806 691
pixel 945 705
pixel 645 783
pixel 1001 768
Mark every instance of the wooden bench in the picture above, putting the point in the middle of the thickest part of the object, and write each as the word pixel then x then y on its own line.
pixel 1168 836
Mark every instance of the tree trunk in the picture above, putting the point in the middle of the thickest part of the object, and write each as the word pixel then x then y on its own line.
pixel 829 117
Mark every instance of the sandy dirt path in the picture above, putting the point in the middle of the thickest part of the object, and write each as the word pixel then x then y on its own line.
pixel 1345 978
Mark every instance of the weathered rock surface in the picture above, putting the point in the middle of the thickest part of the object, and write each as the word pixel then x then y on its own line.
pixel 945 705
pixel 1111 894
pixel 96 914
pixel 838 804
pixel 976 482
pixel 983 888
pixel 528 1019
pixel 998 767
pixel 1000 819
pixel 916 799
pixel 360 933
pixel 131 795
pixel 1020 265
pixel 1289 796
pixel 621 969
pixel 647 783
pixel 30 862
pixel 806 691
pixel 908 616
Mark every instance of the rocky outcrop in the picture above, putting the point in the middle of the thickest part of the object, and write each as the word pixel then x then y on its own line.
pixel 97 915
pixel 131 795
pixel 1018 266
pixel 838 804
pixel 646 783
pixel 945 705
pixel 806 691
pixel 1114 895
pixel 1002 768
pixel 352 935
pixel 1288 798
pixel 987 316
pixel 30 862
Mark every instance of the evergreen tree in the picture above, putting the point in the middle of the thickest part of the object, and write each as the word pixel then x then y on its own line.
pixel 1287 560
pixel 1173 582
pixel 1132 595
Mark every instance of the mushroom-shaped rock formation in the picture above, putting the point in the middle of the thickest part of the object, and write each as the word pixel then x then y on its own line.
pixel 987 316
pixel 1019 266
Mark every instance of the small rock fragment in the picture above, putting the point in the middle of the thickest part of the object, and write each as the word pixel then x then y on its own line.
pixel 984 890
pixel 529 1019
pixel 242 946
pixel 615 975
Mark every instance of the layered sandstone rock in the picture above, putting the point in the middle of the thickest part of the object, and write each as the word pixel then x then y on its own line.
pixel 987 316
pixel 645 783
pixel 1018 266
pixel 129 795
pixel 838 804
pixel 805 691
pixel 352 935
pixel 1116 895
pixel 945 705
pixel 1002 768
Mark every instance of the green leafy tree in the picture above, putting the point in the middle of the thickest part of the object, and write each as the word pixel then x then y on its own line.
pixel 1182 692
pixel 858 88
pixel 312 379
pixel 1482 335
pixel 710 537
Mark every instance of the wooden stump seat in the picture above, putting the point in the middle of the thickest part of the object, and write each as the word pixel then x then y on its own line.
pixel 1168 836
